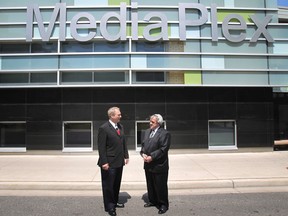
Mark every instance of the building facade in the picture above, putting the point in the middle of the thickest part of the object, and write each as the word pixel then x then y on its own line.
pixel 216 70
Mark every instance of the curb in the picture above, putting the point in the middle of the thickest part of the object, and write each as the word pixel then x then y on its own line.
pixel 173 185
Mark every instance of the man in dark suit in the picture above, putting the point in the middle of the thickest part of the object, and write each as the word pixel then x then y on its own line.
pixel 113 155
pixel 155 147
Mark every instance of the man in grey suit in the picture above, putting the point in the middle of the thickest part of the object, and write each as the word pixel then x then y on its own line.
pixel 154 151
pixel 113 155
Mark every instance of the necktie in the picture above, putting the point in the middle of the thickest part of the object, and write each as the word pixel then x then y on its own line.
pixel 118 131
pixel 152 133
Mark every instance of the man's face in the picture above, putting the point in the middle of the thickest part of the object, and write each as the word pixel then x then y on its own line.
pixel 153 123
pixel 116 117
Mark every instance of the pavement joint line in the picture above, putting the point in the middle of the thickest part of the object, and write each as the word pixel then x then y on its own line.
pixel 176 185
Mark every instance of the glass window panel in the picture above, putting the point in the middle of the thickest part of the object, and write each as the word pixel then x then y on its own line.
pixel 282 3
pixel 76 62
pixel 206 31
pixel 44 47
pixel 173 61
pixel 279 32
pixel 192 46
pixel 235 78
pixel 8 16
pixel 138 61
pixel 43 78
pixel 95 12
pixel 213 62
pixel 219 3
pixel 279 47
pixel 110 77
pixel 29 62
pixel 13 31
pixel 166 3
pixel 68 2
pixel 54 34
pixel 105 46
pixel 141 46
pixel 174 29
pixel 76 47
pixel 77 135
pixel 230 47
pixel 192 32
pixel 15 48
pixel 12 135
pixel 77 77
pixel 24 3
pixel 221 133
pixel 89 2
pixel 14 78
pixel 242 62
pixel 278 78
pixel 97 61
pixel 140 77
pixel 250 4
pixel 171 14
pixel 278 63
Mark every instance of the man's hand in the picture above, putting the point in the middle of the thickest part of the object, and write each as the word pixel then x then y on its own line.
pixel 146 158
pixel 105 166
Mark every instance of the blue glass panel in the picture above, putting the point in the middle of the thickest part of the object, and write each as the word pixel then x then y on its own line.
pixel 283 3
pixel 278 63
pixel 219 3
pixel 13 31
pixel 28 62
pixel 278 78
pixel 249 62
pixel 24 3
pixel 97 61
pixel 166 2
pixel 235 78
pixel 173 61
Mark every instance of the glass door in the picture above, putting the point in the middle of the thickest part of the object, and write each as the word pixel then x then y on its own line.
pixel 222 135
pixel 77 137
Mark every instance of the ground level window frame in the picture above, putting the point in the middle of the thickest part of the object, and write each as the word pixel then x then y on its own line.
pixel 222 147
pixel 14 149
pixel 76 149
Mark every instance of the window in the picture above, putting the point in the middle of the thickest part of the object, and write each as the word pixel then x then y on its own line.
pixel 222 134
pixel 12 136
pixel 110 77
pixel 149 77
pixel 77 136
pixel 142 46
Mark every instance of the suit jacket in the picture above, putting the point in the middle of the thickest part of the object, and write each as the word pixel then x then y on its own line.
pixel 157 147
pixel 111 146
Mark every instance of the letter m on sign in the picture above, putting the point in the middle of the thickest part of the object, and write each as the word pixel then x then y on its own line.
pixel 46 32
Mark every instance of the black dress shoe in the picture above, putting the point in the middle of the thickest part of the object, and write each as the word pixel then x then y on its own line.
pixel 112 212
pixel 147 205
pixel 120 205
pixel 162 210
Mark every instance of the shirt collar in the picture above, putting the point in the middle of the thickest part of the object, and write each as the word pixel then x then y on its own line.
pixel 155 130
pixel 114 125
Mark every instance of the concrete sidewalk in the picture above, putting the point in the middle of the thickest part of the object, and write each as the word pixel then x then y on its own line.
pixel 187 171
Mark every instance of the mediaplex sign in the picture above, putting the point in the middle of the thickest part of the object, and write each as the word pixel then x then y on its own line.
pixel 231 31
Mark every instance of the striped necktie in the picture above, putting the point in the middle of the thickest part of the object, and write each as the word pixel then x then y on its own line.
pixel 152 133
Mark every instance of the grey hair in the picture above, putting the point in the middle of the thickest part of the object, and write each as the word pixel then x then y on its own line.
pixel 111 111
pixel 159 118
